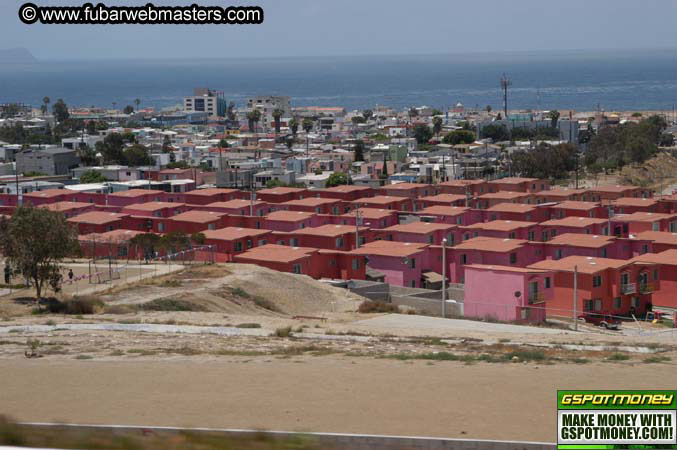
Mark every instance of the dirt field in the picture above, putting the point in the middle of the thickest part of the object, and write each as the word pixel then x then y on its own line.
pixel 449 399
pixel 221 346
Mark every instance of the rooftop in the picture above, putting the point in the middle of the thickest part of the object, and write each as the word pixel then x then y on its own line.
pixel 379 200
pixel 584 264
pixel 507 195
pixel 390 248
pixel 211 191
pixel 659 237
pixel 153 206
pixel 329 230
pixel 419 227
pixel 289 216
pixel 512 208
pixel 500 225
pixel 371 213
pixel 668 257
pixel 136 193
pixel 277 253
pixel 448 198
pixel 231 233
pixel 513 180
pixel 66 206
pixel 440 210
pixel 281 191
pixel 573 221
pixel 235 204
pixel 97 217
pixel 572 204
pixel 499 268
pixel 581 240
pixel 491 244
pixel 197 216
pixel 310 201
pixel 642 217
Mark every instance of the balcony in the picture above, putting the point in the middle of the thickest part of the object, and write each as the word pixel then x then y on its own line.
pixel 646 288
pixel 629 288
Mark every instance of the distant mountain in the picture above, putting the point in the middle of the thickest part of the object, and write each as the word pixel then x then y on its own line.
pixel 16 56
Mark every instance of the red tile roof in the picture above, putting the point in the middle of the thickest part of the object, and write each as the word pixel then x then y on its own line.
pixel 581 240
pixel 490 244
pixel 289 216
pixel 390 248
pixel 584 264
pixel 500 225
pixel 97 217
pixel 232 233
pixel 136 193
pixel 572 221
pixel 277 253
pixel 420 227
pixel 198 216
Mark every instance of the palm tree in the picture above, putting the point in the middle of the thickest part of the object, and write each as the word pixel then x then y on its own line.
pixel 277 114
pixel 367 114
pixel 222 144
pixel 253 118
pixel 308 124
pixel 45 105
pixel 554 117
pixel 437 125
pixel 294 126
pixel 137 102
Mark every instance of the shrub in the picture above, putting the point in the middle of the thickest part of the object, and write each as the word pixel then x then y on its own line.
pixel 527 355
pixel 75 305
pixel 370 306
pixel 248 325
pixel 656 359
pixel 170 304
pixel 283 332
pixel 618 357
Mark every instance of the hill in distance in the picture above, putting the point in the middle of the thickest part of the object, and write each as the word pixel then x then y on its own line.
pixel 16 56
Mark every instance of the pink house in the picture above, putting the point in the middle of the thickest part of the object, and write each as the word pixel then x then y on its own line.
pixel 289 220
pixel 371 217
pixel 132 196
pixel 629 205
pixel 470 188
pixel 584 225
pixel 517 184
pixel 155 209
pixel 571 208
pixel 577 244
pixel 516 211
pixel 452 215
pixel 489 251
pixel 502 229
pixel 69 209
pixel 506 293
pixel 440 200
pixel 239 207
pixel 314 204
pixel 400 262
pixel 420 232
pixel 486 201
pixel 623 225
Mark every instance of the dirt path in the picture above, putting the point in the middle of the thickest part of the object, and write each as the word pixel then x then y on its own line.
pixel 331 394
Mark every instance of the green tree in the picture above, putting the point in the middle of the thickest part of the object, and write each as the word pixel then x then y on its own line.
pixel 459 137
pixel 38 259
pixel 545 161
pixel 230 112
pixel 336 179
pixel 60 111
pixel 488 108
pixel 137 155
pixel 45 105
pixel 356 120
pixel 294 126
pixel 253 118
pixel 137 102
pixel 422 133
pixel 148 243
pixel 129 109
pixel 554 118
pixel 359 150
pixel 277 115
pixel 384 172
pixel 437 125
pixel 111 149
pixel 367 114
pixel 437 112
pixel 87 155
pixel 308 124
pixel 413 112
pixel 92 176
pixel 495 132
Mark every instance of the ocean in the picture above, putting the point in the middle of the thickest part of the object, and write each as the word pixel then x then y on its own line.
pixel 580 80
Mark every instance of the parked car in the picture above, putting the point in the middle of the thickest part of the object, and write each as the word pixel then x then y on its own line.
pixel 601 320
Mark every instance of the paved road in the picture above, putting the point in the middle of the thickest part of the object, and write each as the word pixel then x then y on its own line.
pixel 439 324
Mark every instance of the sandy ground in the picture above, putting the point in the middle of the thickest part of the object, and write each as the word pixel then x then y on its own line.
pixel 448 399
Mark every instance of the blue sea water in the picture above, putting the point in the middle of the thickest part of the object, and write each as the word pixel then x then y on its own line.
pixel 581 80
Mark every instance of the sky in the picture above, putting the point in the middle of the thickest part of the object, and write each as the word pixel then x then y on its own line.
pixel 359 27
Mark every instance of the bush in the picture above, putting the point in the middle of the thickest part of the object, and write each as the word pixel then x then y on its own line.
pixel 369 306
pixel 283 332
pixel 527 355
pixel 170 304
pixel 74 306
pixel 248 325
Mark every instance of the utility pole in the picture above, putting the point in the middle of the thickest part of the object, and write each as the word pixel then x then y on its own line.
pixel 251 205
pixel 575 297
pixel 444 278
pixel 505 84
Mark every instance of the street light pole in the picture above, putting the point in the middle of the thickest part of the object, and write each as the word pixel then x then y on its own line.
pixel 444 278
pixel 357 227
pixel 575 297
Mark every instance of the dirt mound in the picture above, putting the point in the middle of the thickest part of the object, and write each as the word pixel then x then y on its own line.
pixel 237 289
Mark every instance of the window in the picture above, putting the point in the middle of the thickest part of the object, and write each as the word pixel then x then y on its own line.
pixel 412 283
pixel 511 235
pixel 547 283
pixel 412 263
pixel 430 239
pixel 655 274
pixel 250 243
pixel 531 236
pixel 464 259
pixel 450 239
pixel 645 248
pixel 603 252
pixel 656 226
pixel 262 242
pixel 587 305
pixel 544 235
pixel 339 242
pixel 513 258
pixel 617 303
pixel 122 251
pixel 294 242
pixel 211 226
pixel 558 253
pixel 553 233
pixel 356 263
pixel 596 281
pixel 598 304
pixel 161 227
pixel 237 247
pixel 297 269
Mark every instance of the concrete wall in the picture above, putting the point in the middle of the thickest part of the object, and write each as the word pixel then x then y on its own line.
pixel 334 441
